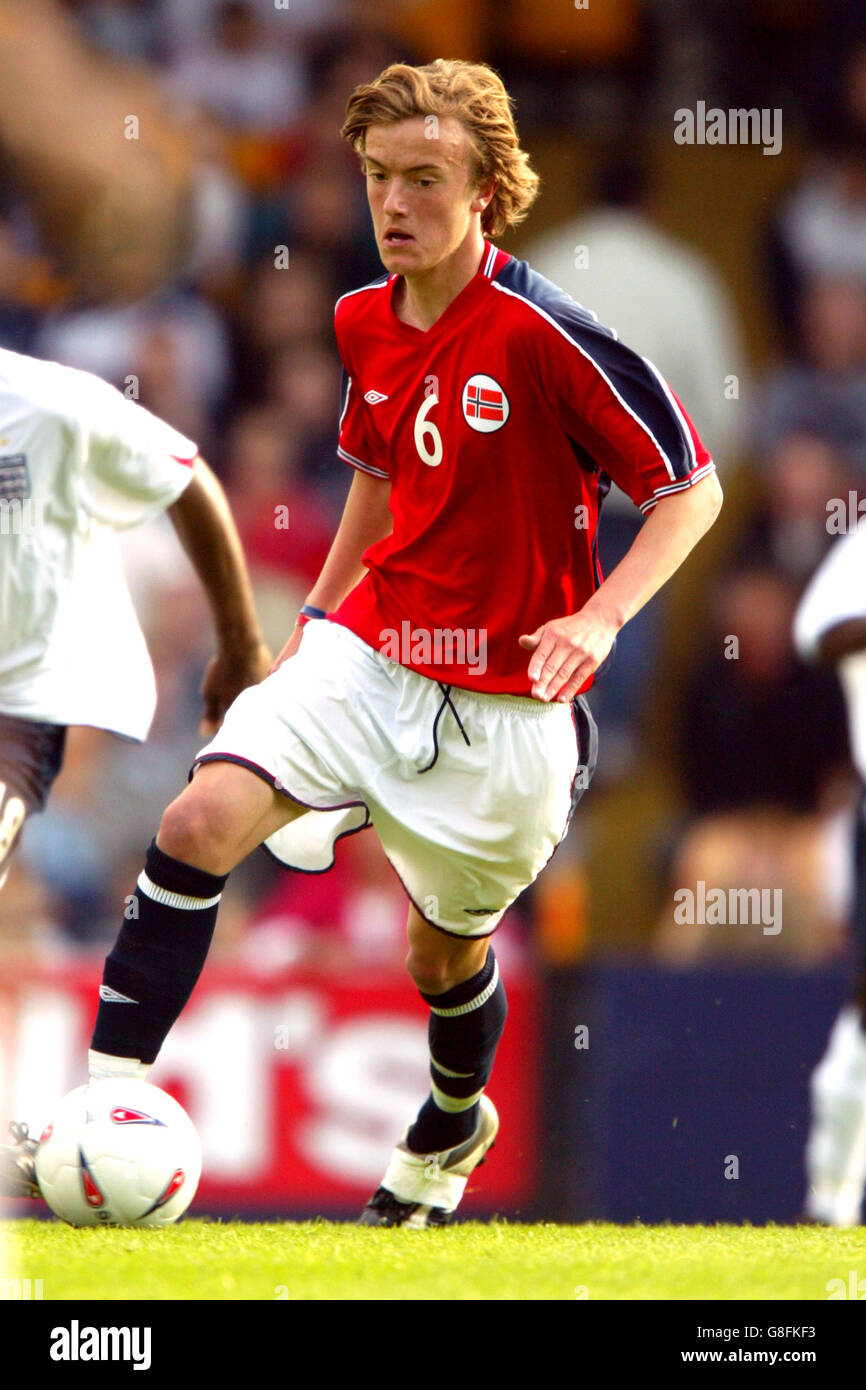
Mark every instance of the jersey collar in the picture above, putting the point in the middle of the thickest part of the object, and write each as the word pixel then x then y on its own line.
pixel 492 260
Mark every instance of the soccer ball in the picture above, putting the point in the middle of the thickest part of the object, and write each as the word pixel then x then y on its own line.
pixel 119 1152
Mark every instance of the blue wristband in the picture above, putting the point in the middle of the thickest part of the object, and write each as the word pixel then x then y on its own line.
pixel 308 611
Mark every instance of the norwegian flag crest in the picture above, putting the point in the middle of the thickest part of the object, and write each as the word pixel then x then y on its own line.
pixel 485 405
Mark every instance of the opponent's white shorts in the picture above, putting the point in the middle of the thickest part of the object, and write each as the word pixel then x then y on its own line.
pixel 470 794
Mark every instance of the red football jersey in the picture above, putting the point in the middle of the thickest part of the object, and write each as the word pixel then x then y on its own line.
pixel 499 429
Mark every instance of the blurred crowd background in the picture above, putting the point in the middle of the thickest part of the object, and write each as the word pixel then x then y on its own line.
pixel 741 274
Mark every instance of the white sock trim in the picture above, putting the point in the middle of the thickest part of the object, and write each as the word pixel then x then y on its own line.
pixel 475 1003
pixel 454 1105
pixel 162 895
pixel 457 1075
pixel 102 1065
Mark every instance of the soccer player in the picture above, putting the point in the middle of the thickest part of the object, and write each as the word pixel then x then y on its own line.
pixel 78 463
pixel 830 626
pixel 433 683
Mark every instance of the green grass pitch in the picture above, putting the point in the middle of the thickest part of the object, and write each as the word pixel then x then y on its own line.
pixel 321 1260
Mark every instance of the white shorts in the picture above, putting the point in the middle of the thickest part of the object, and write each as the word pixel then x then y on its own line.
pixel 470 794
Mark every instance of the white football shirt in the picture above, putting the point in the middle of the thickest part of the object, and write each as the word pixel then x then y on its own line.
pixel 836 594
pixel 78 463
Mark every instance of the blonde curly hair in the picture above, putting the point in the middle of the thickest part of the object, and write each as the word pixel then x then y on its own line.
pixel 476 96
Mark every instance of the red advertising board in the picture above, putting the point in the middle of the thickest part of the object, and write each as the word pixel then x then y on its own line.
pixel 299 1084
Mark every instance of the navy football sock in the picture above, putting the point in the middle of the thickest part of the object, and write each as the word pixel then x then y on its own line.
pixel 466 1023
pixel 158 956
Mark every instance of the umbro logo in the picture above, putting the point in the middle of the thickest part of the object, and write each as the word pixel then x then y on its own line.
pixel 374 397
pixel 111 996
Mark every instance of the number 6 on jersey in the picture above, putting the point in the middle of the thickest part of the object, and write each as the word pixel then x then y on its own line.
pixel 424 427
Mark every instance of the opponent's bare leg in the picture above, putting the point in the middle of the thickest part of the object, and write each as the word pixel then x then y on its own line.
pixel 836 1146
pixel 13 813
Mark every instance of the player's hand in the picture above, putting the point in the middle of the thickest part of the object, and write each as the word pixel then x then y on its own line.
pixel 290 648
pixel 565 653
pixel 230 672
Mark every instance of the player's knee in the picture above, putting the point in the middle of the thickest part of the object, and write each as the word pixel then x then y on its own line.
pixel 431 974
pixel 188 832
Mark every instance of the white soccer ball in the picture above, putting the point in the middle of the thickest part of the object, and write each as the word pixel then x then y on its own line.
pixel 119 1152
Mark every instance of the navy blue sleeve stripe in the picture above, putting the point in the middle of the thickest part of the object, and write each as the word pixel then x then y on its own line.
pixel 636 383
pixel 674 405
pixel 377 284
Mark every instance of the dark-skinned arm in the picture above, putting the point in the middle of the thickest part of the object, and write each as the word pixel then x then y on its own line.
pixel 206 530
pixel 842 640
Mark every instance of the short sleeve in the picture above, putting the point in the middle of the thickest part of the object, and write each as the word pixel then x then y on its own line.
pixel 132 465
pixel 355 445
pixel 835 594
pixel 617 407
